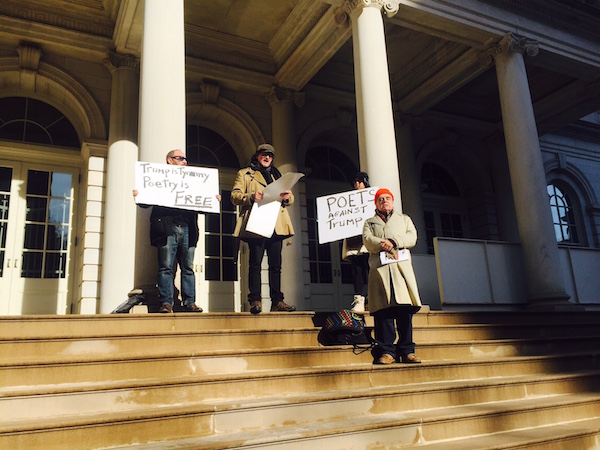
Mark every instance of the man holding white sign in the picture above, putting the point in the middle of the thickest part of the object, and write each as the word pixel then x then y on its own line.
pixel 248 192
pixel 173 230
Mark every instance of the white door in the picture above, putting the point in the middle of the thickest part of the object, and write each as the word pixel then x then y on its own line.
pixel 217 273
pixel 36 211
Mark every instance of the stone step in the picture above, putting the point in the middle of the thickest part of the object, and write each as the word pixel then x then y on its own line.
pixel 184 362
pixel 345 429
pixel 55 327
pixel 84 349
pixel 46 350
pixel 26 402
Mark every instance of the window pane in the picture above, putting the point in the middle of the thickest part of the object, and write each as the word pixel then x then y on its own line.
pixel 57 237
pixel 325 275
pixel 4 206
pixel 213 272
pixel 55 266
pixel 228 246
pixel 37 182
pixel 34 237
pixel 61 185
pixel 213 246
pixel 59 211
pixel 229 270
pixel 5 179
pixel 212 223
pixel 32 265
pixel 228 223
pixel 36 209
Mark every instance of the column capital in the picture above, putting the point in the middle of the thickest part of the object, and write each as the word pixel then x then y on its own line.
pixel 389 7
pixel 511 43
pixel 116 60
pixel 277 94
pixel 416 122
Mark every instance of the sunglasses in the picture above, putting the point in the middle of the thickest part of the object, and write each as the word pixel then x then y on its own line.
pixel 179 158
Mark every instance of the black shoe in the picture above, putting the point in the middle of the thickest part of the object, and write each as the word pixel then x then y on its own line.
pixel 256 307
pixel 282 307
pixel 192 308
pixel 165 309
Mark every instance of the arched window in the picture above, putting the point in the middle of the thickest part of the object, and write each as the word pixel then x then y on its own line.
pixel 443 209
pixel 563 216
pixel 327 163
pixel 206 148
pixel 438 181
pixel 25 119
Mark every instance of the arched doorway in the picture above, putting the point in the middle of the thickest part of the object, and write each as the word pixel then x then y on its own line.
pixel 37 201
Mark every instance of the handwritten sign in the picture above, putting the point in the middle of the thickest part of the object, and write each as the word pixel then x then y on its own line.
pixel 343 215
pixel 184 187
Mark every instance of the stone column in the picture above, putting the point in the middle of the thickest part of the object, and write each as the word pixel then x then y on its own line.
pixel 162 108
pixel 282 104
pixel 118 255
pixel 410 180
pixel 376 137
pixel 508 229
pixel 538 242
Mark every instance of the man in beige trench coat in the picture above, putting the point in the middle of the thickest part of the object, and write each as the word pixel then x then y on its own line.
pixel 247 189
pixel 393 293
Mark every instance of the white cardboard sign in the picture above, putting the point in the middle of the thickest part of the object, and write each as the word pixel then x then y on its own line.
pixel 184 187
pixel 343 215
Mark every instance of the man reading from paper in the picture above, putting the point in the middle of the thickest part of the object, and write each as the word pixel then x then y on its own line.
pixel 248 189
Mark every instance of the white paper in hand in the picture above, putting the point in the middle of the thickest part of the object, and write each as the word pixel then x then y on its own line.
pixel 263 217
pixel 402 255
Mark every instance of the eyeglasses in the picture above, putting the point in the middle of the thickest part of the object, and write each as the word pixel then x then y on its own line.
pixel 270 155
pixel 179 158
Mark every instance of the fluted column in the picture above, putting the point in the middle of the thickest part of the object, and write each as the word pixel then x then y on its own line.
pixel 118 255
pixel 282 104
pixel 410 180
pixel 162 107
pixel 538 242
pixel 376 137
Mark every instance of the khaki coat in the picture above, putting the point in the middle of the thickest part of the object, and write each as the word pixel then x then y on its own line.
pixel 399 229
pixel 247 182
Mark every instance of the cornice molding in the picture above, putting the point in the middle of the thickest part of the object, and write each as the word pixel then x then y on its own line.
pixel 87 22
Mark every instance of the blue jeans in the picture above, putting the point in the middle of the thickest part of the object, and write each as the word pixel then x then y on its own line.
pixel 176 249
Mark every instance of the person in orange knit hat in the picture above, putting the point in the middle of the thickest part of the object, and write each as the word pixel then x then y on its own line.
pixel 393 293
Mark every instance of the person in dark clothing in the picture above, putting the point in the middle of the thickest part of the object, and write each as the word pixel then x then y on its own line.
pixel 174 233
pixel 356 254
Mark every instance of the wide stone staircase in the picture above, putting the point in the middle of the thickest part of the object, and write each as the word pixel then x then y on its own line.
pixel 489 380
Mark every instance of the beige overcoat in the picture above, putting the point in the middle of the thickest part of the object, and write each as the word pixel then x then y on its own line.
pixel 399 229
pixel 247 182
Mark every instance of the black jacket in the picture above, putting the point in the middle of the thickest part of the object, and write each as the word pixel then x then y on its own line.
pixel 162 220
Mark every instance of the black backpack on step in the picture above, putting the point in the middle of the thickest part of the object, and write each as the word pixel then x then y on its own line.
pixel 345 328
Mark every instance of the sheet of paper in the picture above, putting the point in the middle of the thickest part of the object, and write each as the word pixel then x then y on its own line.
pixel 262 218
pixel 402 255
pixel 285 182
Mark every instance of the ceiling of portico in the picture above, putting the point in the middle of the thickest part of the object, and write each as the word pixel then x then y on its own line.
pixel 251 45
